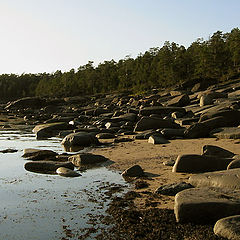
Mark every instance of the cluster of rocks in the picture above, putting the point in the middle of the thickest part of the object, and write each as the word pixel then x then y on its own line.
pixel 158 117
pixel 213 195
pixel 47 161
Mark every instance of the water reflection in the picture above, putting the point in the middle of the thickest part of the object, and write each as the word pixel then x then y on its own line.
pixel 40 206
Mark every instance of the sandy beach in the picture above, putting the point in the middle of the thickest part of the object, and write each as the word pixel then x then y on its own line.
pixel 151 157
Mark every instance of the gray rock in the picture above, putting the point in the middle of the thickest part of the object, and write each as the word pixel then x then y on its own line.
pixel 193 163
pixel 134 171
pixel 179 101
pixel 205 100
pixel 231 116
pixel 173 188
pixel 203 128
pixel 205 205
pixel 228 227
pixel 226 133
pixel 216 151
pixel 50 129
pixel 66 172
pixel 146 123
pixel 221 179
pixel 46 166
pixel 157 139
pixel 86 159
pixel 173 133
pixel 38 154
pixel 83 139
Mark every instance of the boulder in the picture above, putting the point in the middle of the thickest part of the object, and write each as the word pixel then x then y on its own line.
pixel 28 102
pixel 211 150
pixel 205 205
pixel 228 227
pixel 173 188
pixel 86 159
pixel 221 179
pixel 205 100
pixel 193 163
pixel 66 172
pixel 146 123
pixel 203 129
pixel 173 133
pixel 231 116
pixel 147 111
pixel 226 133
pixel 82 139
pixel 46 166
pixel 179 101
pixel 134 171
pixel 50 129
pixel 38 154
pixel 157 139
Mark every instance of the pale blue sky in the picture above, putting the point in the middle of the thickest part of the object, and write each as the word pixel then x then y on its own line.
pixel 49 35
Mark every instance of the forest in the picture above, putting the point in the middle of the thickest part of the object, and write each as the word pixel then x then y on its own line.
pixel 216 59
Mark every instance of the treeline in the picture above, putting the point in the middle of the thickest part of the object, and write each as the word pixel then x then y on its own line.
pixel 217 58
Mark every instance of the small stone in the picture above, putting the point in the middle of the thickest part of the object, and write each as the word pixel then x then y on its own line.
pixel 66 172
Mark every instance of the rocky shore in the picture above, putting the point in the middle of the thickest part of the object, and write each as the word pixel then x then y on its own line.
pixel 179 148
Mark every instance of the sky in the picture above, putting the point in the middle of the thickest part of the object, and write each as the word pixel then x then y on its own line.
pixel 39 36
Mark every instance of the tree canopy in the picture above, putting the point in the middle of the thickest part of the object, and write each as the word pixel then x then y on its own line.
pixel 217 58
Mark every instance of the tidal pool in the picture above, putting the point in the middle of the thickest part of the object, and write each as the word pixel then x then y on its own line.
pixel 40 206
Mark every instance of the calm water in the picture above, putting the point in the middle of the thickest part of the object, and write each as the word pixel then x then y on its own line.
pixel 38 206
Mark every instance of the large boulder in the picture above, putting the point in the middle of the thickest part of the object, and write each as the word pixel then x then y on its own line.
pixel 221 179
pixel 50 129
pixel 193 163
pixel 203 128
pixel 231 116
pixel 86 158
pixel 228 227
pixel 46 166
pixel 28 102
pixel 82 139
pixel 226 133
pixel 38 154
pixel 211 150
pixel 205 205
pixel 146 123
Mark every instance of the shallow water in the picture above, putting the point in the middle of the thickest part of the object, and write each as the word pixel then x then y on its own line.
pixel 40 206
